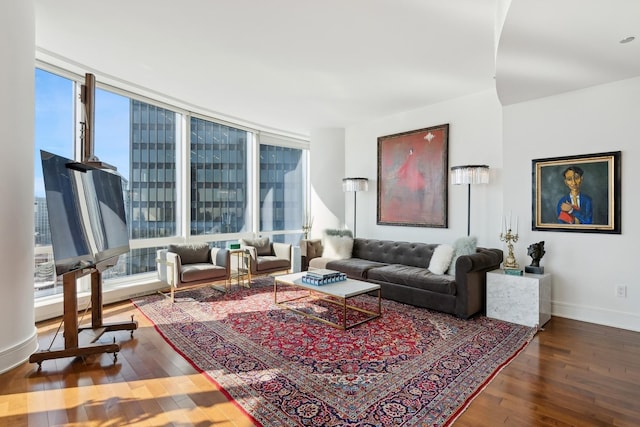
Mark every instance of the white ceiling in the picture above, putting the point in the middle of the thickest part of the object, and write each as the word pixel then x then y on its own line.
pixel 298 65
pixel 553 46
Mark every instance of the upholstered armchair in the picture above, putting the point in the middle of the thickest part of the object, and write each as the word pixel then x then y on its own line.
pixel 187 265
pixel 267 257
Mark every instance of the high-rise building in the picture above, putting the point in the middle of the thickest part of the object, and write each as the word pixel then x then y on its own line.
pixel 152 184
pixel 151 196
pixel 42 232
pixel 218 161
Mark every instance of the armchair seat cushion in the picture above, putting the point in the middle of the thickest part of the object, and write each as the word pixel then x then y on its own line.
pixel 202 271
pixel 270 263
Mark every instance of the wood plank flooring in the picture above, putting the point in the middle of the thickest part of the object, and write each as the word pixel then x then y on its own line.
pixel 572 374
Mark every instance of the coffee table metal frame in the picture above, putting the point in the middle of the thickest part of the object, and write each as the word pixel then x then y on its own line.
pixel 336 293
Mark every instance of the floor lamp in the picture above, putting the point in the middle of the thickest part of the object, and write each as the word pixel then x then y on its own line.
pixel 355 185
pixel 469 174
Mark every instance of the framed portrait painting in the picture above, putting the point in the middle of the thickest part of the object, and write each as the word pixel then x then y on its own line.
pixel 577 193
pixel 412 178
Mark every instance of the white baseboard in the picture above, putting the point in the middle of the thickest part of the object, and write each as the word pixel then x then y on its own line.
pixel 600 316
pixel 16 355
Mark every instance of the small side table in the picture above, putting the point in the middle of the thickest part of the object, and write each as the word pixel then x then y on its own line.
pixel 240 267
pixel 525 300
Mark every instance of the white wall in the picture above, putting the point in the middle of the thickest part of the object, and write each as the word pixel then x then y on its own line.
pixel 475 137
pixel 585 267
pixel 17 330
pixel 326 172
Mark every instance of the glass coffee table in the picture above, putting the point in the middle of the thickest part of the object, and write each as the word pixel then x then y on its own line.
pixel 338 293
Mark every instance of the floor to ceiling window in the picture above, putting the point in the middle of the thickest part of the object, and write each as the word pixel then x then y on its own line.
pixel 54 132
pixel 143 140
pixel 140 140
pixel 282 190
pixel 219 181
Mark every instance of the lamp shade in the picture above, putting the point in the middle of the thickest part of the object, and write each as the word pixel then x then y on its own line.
pixel 470 174
pixel 355 184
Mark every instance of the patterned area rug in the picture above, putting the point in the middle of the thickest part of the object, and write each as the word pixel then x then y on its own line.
pixel 409 367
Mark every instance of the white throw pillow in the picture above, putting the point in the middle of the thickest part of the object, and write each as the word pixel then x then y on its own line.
pixel 337 247
pixel 441 259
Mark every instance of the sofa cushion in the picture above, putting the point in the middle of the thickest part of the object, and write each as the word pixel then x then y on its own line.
pixel 353 267
pixel 337 247
pixel 319 262
pixel 441 259
pixel 262 245
pixel 414 277
pixel 462 246
pixel 191 253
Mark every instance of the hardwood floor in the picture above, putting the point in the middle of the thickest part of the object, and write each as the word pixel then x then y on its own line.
pixel 571 374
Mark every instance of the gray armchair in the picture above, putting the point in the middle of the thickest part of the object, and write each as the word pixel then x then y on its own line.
pixel 266 257
pixel 187 265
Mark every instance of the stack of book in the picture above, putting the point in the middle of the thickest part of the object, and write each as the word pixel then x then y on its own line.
pixel 322 277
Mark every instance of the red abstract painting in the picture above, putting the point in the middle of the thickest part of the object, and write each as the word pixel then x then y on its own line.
pixel 412 178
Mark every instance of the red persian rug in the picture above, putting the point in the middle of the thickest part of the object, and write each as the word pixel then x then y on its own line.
pixel 410 367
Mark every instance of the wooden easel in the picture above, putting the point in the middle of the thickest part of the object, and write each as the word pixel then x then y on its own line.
pixel 76 344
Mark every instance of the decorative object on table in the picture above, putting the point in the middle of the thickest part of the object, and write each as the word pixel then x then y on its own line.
pixel 323 276
pixel 355 185
pixel 469 174
pixel 307 225
pixel 513 272
pixel 235 245
pixel 536 252
pixel 412 178
pixel 254 349
pixel 506 235
pixel 577 193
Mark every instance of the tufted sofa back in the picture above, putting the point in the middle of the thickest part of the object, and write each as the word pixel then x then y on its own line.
pixel 392 252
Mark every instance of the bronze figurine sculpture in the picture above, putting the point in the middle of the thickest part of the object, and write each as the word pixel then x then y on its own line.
pixel 536 252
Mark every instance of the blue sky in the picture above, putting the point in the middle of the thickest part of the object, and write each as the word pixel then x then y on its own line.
pixel 54 124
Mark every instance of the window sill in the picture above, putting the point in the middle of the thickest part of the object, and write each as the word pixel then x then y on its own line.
pixel 49 308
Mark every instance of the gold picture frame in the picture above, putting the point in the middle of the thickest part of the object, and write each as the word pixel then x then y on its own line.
pixel 595 178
